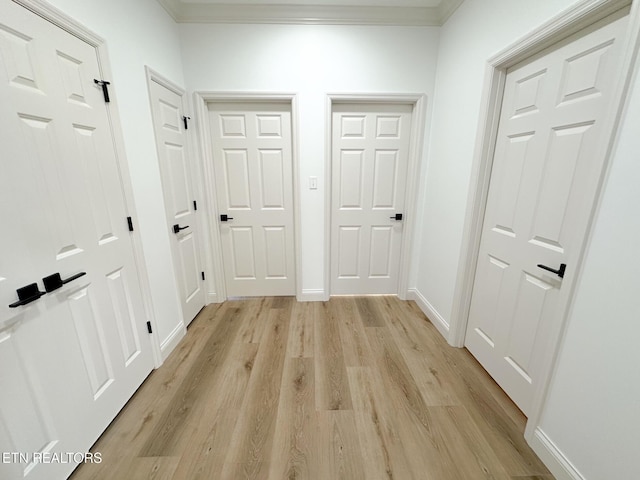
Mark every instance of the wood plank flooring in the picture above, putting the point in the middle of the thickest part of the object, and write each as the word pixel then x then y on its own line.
pixel 354 388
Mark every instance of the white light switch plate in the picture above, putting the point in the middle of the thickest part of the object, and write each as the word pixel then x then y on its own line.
pixel 313 183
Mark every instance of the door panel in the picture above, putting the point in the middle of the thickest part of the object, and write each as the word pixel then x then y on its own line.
pixel 20 432
pixel 543 183
pixel 369 172
pixel 381 248
pixel 118 284
pixel 254 188
pixel 176 170
pixel 78 353
pixel 243 252
pixel 275 241
pixel 272 178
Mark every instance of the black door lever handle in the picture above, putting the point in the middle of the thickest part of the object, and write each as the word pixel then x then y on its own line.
pixel 397 216
pixel 54 282
pixel 559 272
pixel 27 294
pixel 177 228
pixel 224 218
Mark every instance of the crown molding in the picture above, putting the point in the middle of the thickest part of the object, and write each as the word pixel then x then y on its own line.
pixel 309 14
pixel 446 9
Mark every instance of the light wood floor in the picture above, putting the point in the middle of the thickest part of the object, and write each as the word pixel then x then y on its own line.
pixel 354 388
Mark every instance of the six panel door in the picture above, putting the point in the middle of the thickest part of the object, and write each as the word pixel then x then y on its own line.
pixel 176 169
pixel 71 359
pixel 543 183
pixel 370 149
pixel 254 190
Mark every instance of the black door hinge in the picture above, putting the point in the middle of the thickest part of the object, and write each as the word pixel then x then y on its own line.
pixel 105 89
pixel 186 124
pixel 195 205
pixel 202 275
pixel 130 223
pixel 149 329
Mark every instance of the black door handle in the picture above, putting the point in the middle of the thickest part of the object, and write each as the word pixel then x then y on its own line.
pixel 397 216
pixel 27 294
pixel 224 218
pixel 177 228
pixel 54 282
pixel 559 272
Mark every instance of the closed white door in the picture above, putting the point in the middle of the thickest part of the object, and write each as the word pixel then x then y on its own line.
pixel 70 359
pixel 370 153
pixel 544 178
pixel 254 187
pixel 176 168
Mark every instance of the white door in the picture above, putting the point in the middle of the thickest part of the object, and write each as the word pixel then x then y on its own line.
pixel 71 359
pixel 254 187
pixel 370 155
pixel 544 177
pixel 176 169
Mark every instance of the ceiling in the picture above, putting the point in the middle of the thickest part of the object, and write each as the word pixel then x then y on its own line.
pixel 331 12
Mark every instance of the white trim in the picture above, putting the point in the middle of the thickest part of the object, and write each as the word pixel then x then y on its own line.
pixel 172 340
pixel 446 9
pixel 297 201
pixel 212 242
pixel 312 295
pixel 62 20
pixel 68 24
pixel 553 458
pixel 183 12
pixel 328 150
pixel 416 142
pixel 214 282
pixel 429 310
pixel 160 79
pixel 581 15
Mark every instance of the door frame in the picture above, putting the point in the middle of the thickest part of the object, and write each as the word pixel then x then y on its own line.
pixel 416 142
pixel 60 19
pixel 570 21
pixel 212 242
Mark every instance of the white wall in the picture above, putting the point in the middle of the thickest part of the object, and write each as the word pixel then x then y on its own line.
pixel 140 33
pixel 593 409
pixel 310 61
pixel 592 412
pixel 476 31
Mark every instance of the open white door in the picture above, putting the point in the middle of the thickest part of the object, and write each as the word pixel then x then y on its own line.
pixel 370 155
pixel 176 168
pixel 69 360
pixel 543 182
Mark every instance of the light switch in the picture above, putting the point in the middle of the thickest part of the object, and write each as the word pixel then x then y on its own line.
pixel 313 183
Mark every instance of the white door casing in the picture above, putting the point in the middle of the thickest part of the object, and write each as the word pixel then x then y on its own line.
pixel 370 157
pixel 177 170
pixel 543 181
pixel 252 159
pixel 71 359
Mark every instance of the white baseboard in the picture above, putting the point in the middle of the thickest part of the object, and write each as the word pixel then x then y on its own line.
pixel 432 314
pixel 312 295
pixel 213 297
pixel 553 458
pixel 168 344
